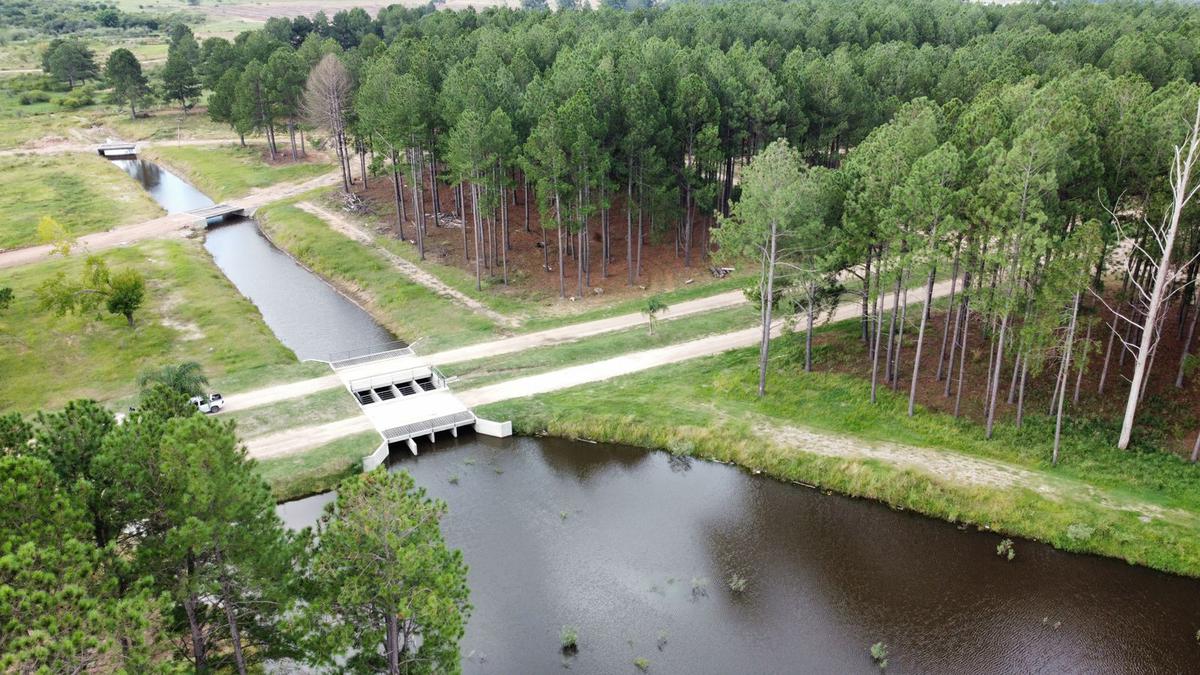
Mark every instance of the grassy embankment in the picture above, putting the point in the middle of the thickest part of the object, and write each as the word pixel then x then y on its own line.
pixel 1142 507
pixel 191 312
pixel 228 171
pixel 83 192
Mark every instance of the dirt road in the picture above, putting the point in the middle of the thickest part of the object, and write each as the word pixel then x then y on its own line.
pixel 274 394
pixel 176 224
pixel 52 148
pixel 298 440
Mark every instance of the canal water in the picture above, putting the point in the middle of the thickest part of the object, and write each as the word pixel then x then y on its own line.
pixel 635 549
pixel 305 312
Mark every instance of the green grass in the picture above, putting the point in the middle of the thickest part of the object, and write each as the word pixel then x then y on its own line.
pixel 227 171
pixel 317 470
pixel 192 312
pixel 531 362
pixel 406 308
pixel 83 192
pixel 714 413
pixel 324 406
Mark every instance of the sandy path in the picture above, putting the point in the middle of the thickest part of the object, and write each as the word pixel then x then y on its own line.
pixel 52 148
pixel 274 394
pixel 298 440
pixel 177 224
pixel 356 232
pixel 286 442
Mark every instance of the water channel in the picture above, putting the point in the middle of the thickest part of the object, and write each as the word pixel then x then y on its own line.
pixel 306 313
pixel 635 548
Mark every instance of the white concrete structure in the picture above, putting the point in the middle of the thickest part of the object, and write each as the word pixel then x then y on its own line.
pixel 405 398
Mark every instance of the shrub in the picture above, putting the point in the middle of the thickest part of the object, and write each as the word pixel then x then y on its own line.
pixel 76 101
pixel 34 96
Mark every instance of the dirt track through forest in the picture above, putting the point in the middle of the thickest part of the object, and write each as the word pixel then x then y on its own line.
pixel 357 232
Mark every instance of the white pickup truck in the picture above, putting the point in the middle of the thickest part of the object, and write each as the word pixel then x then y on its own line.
pixel 210 404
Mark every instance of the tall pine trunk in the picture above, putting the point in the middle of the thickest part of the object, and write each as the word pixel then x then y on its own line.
pixel 912 387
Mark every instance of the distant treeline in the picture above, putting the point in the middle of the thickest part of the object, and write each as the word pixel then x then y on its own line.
pixel 60 17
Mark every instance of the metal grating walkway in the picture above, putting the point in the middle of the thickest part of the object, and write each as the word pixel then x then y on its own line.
pixel 407 431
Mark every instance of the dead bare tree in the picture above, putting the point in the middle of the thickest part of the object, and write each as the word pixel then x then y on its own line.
pixel 326 102
pixel 1165 271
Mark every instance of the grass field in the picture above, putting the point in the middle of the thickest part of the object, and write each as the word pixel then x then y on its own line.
pixel 191 313
pixel 83 192
pixel 1143 507
pixel 227 171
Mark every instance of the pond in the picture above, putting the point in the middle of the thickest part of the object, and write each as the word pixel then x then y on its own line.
pixel 304 311
pixel 635 549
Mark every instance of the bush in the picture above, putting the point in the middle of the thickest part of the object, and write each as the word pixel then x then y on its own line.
pixel 34 96
pixel 75 101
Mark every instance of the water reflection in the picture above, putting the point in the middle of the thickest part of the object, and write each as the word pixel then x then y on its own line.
pixel 612 540
pixel 171 192
pixel 303 310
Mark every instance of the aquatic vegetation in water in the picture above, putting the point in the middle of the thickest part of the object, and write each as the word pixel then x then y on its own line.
pixel 1005 549
pixel 453 479
pixel 569 638
pixel 662 639
pixel 642 664
pixel 879 654
pixel 699 587
pixel 737 582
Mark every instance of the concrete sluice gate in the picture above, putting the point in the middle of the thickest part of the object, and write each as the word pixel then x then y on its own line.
pixel 405 398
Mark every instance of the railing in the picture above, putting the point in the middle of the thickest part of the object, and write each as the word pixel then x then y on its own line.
pixel 352 357
pixel 451 421
pixel 397 376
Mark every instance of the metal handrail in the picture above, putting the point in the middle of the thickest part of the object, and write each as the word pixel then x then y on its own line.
pixel 385 350
pixel 404 375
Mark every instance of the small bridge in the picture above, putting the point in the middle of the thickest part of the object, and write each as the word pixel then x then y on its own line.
pixel 405 398
pixel 218 212
pixel 117 150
